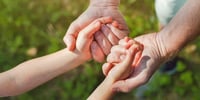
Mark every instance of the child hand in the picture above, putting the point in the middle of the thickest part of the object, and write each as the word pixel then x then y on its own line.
pixel 122 59
pixel 108 36
pixel 85 38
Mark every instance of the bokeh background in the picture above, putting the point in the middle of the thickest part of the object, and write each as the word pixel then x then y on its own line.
pixel 33 28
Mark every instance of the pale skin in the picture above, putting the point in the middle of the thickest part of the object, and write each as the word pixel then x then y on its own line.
pixel 118 71
pixel 103 41
pixel 163 46
pixel 35 72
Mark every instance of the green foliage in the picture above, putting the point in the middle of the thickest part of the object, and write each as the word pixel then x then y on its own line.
pixel 180 66
pixel 41 24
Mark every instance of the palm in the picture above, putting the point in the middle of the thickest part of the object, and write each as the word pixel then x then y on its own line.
pixel 151 58
pixel 150 61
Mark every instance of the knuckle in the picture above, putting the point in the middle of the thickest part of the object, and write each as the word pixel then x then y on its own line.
pixel 113 39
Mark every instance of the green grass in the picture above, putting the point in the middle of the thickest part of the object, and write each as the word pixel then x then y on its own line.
pixel 41 24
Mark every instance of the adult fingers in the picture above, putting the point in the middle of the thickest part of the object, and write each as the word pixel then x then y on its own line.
pixel 130 83
pixel 75 27
pixel 105 20
pixel 103 42
pixel 119 33
pixel 97 53
pixel 109 35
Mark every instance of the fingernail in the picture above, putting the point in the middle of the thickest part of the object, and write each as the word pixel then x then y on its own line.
pixel 97 24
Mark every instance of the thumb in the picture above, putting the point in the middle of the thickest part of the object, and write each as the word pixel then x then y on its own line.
pixel 69 41
pixel 71 34
pixel 85 36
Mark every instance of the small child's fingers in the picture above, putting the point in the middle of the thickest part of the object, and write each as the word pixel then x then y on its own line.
pixel 124 69
pixel 88 31
pixel 124 42
pixel 85 37
pixel 114 58
pixel 118 49
pixel 130 55
pixel 116 54
pixel 137 58
pixel 106 68
pixel 138 48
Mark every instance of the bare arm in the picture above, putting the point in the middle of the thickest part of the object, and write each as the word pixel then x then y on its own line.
pixel 97 9
pixel 183 28
pixel 37 71
pixel 32 73
pixel 117 70
pixel 162 46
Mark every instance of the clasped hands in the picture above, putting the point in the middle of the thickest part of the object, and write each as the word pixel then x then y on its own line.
pixel 107 34
pixel 97 41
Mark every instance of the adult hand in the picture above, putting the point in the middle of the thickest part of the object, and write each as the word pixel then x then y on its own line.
pixel 85 38
pixel 101 47
pixel 96 10
pixel 154 54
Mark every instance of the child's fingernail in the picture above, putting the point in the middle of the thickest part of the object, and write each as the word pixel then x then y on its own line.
pixel 97 24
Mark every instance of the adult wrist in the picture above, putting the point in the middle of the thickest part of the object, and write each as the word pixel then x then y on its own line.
pixel 168 48
pixel 104 3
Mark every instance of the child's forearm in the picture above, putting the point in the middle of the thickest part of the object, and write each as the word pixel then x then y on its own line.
pixel 103 91
pixel 37 71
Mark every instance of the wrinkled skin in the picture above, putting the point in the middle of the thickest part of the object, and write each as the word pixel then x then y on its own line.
pixel 93 12
pixel 121 52
pixel 154 54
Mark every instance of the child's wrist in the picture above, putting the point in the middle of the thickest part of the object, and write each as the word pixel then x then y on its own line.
pixel 109 81
pixel 82 57
pixel 75 57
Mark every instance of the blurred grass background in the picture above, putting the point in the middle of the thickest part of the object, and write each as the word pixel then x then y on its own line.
pixel 33 28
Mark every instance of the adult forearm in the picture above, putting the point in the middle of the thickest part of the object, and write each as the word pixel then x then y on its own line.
pixel 32 73
pixel 183 28
pixel 105 3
